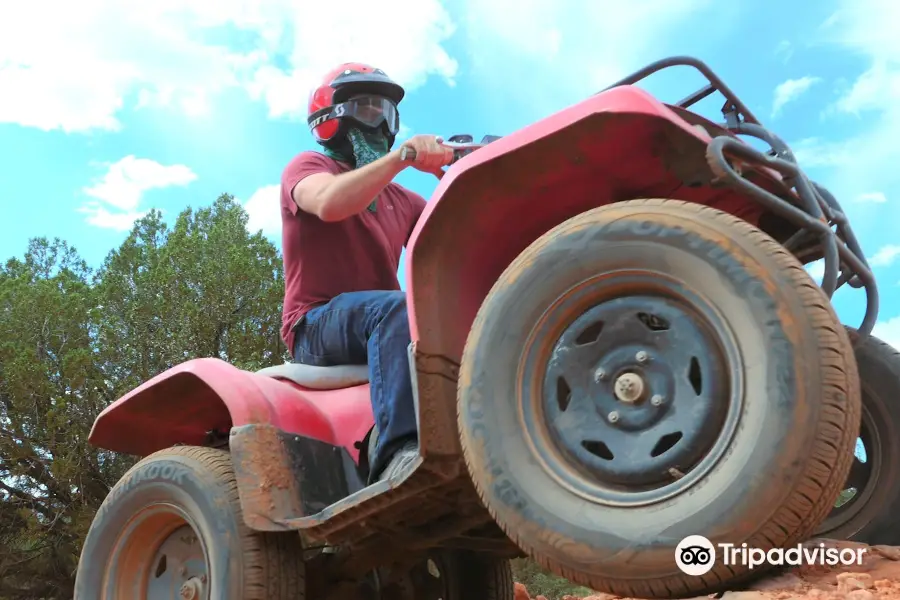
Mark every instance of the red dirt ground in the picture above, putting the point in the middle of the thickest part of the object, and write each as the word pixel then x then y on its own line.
pixel 878 578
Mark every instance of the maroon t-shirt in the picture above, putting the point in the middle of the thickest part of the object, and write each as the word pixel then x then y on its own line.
pixel 323 260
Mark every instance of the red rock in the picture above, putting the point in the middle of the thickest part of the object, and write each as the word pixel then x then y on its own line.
pixel 889 552
pixel 784 581
pixel 847 582
pixel 520 592
pixel 877 578
pixel 751 595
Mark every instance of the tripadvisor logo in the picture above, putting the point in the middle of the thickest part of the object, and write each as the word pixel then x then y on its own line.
pixel 696 555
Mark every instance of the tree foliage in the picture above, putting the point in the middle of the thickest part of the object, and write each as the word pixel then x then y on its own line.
pixel 72 340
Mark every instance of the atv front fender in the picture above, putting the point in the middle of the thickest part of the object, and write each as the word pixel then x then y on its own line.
pixel 619 145
pixel 182 405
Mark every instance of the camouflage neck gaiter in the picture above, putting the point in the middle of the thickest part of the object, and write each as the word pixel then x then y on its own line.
pixel 367 147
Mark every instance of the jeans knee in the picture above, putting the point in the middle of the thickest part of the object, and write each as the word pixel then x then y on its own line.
pixel 393 312
pixel 394 304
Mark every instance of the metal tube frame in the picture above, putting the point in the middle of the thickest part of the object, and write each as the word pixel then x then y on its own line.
pixel 817 213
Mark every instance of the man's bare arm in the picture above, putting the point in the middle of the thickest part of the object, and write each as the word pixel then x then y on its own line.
pixel 336 197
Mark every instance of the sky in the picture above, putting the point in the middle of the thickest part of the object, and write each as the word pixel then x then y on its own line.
pixel 111 108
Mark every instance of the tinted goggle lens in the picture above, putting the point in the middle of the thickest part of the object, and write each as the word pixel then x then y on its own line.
pixel 370 111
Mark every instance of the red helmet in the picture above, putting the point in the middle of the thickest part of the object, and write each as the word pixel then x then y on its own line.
pixel 355 91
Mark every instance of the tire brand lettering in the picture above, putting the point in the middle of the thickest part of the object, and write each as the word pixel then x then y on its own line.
pixel 147 472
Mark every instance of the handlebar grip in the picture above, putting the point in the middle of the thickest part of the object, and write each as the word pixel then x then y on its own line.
pixel 407 153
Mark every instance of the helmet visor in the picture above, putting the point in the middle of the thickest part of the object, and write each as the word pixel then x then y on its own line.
pixel 369 111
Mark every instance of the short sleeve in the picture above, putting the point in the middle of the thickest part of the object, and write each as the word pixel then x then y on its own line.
pixel 302 166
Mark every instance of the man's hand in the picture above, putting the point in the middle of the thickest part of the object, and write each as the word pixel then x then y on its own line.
pixel 430 154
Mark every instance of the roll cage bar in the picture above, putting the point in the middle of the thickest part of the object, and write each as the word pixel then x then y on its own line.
pixel 816 213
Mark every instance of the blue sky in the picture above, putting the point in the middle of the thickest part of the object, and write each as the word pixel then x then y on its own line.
pixel 109 109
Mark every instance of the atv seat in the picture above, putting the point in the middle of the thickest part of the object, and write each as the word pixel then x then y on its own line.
pixel 319 378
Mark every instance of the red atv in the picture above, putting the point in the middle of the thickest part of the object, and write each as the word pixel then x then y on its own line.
pixel 615 346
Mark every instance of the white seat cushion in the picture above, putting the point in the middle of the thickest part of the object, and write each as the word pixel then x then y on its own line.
pixel 320 378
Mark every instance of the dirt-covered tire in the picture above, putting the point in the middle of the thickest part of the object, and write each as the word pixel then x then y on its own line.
pixel 743 373
pixel 454 575
pixel 869 513
pixel 175 519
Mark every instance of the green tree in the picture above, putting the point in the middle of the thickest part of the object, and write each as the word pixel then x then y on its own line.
pixel 50 481
pixel 73 340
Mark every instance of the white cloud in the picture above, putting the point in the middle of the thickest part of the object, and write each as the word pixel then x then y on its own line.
pixel 784 50
pixel 361 34
pixel 76 66
pixel 816 270
pixel 867 29
pixel 572 47
pixel 888 331
pixel 885 256
pixel 873 197
pixel 264 211
pixel 403 133
pixel 123 185
pixel 815 152
pixel 100 217
pixel 791 90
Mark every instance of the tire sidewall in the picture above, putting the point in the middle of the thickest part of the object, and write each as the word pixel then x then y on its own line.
pixel 186 484
pixel 779 419
pixel 879 373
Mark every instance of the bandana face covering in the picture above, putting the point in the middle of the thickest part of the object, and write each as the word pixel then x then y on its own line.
pixel 367 148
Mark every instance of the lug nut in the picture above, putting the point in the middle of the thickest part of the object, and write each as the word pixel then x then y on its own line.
pixel 613 417
pixel 642 357
pixel 599 375
pixel 656 400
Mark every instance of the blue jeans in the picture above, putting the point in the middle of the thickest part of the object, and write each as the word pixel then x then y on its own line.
pixel 367 328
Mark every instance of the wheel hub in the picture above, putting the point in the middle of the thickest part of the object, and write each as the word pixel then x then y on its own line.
pixel 634 392
pixel 192 589
pixel 629 387
pixel 179 564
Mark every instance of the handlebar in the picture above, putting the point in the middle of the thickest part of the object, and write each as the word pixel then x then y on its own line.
pixel 460 144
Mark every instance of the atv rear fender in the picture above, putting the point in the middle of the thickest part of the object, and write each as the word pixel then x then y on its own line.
pixel 186 403
pixel 619 145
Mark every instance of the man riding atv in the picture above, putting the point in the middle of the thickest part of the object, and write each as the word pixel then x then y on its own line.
pixel 614 346
pixel 344 224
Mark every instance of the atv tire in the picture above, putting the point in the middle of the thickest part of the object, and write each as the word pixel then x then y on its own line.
pixel 870 514
pixel 175 520
pixel 455 575
pixel 766 436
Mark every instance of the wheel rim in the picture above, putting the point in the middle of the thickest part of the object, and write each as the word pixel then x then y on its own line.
pixel 158 556
pixel 429 579
pixel 629 400
pixel 862 481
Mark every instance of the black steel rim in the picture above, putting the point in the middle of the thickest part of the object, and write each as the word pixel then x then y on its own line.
pixel 638 396
pixel 428 579
pixel 862 480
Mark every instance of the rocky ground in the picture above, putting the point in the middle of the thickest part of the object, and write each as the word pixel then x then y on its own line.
pixel 877 578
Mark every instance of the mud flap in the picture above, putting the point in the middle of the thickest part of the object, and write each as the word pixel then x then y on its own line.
pixel 281 476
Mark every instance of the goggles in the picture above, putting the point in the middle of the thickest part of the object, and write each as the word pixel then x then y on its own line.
pixel 369 111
